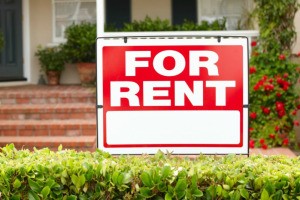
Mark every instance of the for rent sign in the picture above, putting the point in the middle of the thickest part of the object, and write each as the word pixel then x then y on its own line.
pixel 187 96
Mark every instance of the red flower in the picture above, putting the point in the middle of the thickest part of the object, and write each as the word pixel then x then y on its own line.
pixel 269 87
pixel 251 129
pixel 298 106
pixel 277 128
pixel 278 94
pixel 296 123
pixel 279 106
pixel 253 43
pixel 285 75
pixel 251 143
pixel 253 115
pixel 294 112
pixel 252 70
pixel 285 85
pixel 264 146
pixel 281 113
pixel 256 87
pixel 270 80
pixel 285 141
pixel 272 136
pixel 298 54
pixel 264 78
pixel 262 141
pixel 281 57
pixel 279 80
pixel 266 110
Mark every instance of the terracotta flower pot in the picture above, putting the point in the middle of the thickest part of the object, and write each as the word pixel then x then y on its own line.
pixel 53 77
pixel 87 73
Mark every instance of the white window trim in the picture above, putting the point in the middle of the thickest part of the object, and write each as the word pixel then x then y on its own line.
pixel 57 40
pixel 200 16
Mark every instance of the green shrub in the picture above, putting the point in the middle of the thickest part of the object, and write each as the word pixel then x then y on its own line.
pixel 51 58
pixel 157 24
pixel 66 174
pixel 273 98
pixel 81 43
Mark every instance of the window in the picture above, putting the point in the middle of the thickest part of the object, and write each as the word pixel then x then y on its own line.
pixel 118 12
pixel 67 12
pixel 235 12
pixel 184 10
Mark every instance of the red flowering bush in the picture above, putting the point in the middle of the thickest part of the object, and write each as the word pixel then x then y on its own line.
pixel 273 99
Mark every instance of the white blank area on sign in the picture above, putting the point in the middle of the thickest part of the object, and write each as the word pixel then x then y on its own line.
pixel 172 127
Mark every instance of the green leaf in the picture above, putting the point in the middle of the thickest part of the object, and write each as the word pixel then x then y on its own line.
pixel 32 195
pixel 244 193
pixel 146 179
pixel 145 192
pixel 16 197
pixel 166 171
pixel 197 193
pixel 50 183
pixel 236 195
pixel 219 190
pixel 72 197
pixel 17 184
pixel 277 195
pixel 74 179
pixel 78 181
pixel 285 197
pixel 65 174
pixel 115 177
pixel 265 195
pixel 60 147
pixel 45 191
pixel 180 188
pixel 168 197
pixel 34 186
pixel 120 179
pixel 81 179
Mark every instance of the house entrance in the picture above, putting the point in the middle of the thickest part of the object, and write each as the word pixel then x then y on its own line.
pixel 11 62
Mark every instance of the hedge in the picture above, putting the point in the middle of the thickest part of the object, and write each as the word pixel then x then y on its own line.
pixel 70 175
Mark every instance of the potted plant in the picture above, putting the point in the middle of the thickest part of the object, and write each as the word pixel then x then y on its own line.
pixel 52 61
pixel 80 48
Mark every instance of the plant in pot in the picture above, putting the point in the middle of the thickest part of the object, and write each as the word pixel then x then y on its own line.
pixel 80 48
pixel 52 61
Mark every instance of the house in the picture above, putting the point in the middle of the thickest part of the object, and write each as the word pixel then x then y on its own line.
pixel 29 23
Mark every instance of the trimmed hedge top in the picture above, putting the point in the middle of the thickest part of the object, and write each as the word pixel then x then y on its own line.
pixel 67 174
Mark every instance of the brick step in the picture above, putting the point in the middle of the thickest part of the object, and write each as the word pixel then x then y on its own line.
pixel 81 143
pixel 83 127
pixel 50 111
pixel 46 95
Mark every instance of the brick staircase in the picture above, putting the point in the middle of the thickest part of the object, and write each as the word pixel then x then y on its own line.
pixel 47 116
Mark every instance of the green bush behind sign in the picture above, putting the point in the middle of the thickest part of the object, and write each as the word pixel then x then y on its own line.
pixel 67 174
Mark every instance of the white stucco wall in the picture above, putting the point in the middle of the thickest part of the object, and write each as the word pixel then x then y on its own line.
pixel 153 8
pixel 296 48
pixel 41 34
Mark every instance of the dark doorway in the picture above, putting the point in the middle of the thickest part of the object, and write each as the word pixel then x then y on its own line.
pixel 11 56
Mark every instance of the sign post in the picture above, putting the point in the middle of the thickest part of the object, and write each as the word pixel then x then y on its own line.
pixel 182 95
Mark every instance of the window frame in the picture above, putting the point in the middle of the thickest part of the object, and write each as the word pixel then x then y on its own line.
pixel 249 6
pixel 54 19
